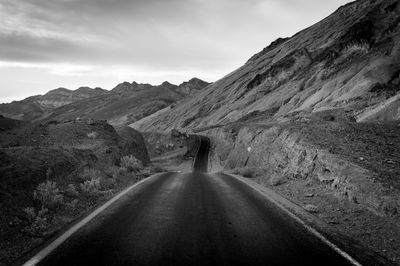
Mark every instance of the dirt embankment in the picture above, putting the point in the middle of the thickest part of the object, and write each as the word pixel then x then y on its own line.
pixel 53 173
pixel 346 172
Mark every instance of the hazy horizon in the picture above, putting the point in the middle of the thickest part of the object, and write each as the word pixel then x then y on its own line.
pixel 100 43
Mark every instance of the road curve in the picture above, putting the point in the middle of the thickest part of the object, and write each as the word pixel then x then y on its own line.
pixel 193 219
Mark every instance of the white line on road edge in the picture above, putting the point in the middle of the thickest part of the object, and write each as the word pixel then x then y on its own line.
pixel 310 229
pixel 57 242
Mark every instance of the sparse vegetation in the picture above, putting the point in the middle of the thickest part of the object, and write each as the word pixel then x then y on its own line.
pixel 131 163
pixel 37 220
pixel 90 174
pixel 91 187
pixel 57 172
pixel 71 191
pixel 49 195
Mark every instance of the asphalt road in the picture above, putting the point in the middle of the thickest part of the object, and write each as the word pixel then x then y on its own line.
pixel 193 219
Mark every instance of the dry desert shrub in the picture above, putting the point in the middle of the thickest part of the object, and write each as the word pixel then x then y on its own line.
pixel 71 191
pixel 107 183
pixel 91 187
pixel 131 163
pixel 115 172
pixel 37 221
pixel 89 174
pixel 48 195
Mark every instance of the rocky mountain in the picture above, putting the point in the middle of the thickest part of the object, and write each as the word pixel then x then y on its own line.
pixel 348 63
pixel 186 88
pixel 192 86
pixel 124 104
pixel 35 106
pixel 61 96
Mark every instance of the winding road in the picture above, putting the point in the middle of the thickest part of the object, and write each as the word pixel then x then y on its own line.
pixel 193 219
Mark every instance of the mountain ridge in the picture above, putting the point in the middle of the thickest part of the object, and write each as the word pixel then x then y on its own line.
pixel 347 61
pixel 41 107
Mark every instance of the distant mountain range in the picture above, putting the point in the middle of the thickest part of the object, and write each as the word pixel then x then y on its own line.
pixel 124 104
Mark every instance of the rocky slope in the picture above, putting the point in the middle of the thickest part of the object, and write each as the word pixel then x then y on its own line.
pixel 75 164
pixel 35 106
pixel 348 61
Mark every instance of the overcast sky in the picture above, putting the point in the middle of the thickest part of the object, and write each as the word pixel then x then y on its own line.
pixel 45 44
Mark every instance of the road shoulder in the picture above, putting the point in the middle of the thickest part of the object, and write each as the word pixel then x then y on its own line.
pixel 341 243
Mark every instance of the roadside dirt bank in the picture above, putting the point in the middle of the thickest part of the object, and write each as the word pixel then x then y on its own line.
pixel 345 173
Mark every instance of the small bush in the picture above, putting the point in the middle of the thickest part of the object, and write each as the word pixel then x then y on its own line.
pixel 48 195
pixel 131 163
pixel 123 171
pixel 114 172
pixel 90 174
pixel 91 187
pixel 71 191
pixel 107 183
pixel 71 206
pixel 37 221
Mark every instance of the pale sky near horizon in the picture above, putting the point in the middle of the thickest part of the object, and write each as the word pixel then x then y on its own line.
pixel 46 44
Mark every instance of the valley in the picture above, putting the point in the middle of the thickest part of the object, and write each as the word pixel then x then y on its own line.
pixel 312 120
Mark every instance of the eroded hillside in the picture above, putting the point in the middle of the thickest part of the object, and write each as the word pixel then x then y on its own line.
pixel 348 61
pixel 53 173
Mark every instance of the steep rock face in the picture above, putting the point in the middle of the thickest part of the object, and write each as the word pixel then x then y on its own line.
pixel 348 61
pixel 35 106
